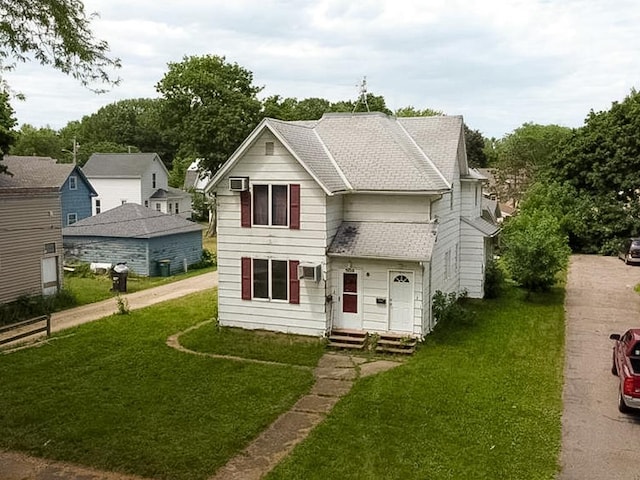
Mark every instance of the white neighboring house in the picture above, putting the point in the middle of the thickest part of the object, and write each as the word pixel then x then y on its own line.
pixel 140 178
pixel 352 221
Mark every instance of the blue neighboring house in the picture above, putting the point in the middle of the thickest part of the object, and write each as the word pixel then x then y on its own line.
pixel 75 189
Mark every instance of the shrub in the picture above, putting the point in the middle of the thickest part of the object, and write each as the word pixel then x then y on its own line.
pixel 207 259
pixel 448 309
pixel 493 280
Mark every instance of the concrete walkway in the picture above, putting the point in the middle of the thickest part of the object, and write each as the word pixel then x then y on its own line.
pixel 334 377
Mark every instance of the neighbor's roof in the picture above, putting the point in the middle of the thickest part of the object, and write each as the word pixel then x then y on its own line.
pixel 37 172
pixel 169 193
pixel 486 228
pixel 369 152
pixel 119 165
pixel 195 178
pixel 395 241
pixel 131 221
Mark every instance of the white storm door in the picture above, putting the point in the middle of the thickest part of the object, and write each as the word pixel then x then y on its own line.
pixel 50 276
pixel 350 305
pixel 401 301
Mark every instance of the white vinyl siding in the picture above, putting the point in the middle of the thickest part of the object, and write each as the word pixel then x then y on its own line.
pixel 384 208
pixel 113 191
pixel 307 245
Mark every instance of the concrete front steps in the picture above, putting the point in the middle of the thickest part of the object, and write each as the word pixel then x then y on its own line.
pixel 388 342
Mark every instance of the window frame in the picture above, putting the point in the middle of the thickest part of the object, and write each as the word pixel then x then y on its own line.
pixel 71 215
pixel 270 205
pixel 73 182
pixel 98 205
pixel 284 264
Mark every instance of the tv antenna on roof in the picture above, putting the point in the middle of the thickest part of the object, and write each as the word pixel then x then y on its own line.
pixel 362 97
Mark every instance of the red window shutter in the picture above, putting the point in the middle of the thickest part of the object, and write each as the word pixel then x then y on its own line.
pixel 294 282
pixel 246 278
pixel 245 209
pixel 294 206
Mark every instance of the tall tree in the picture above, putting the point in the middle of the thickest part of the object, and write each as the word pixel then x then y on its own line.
pixel 601 160
pixel 210 106
pixel 55 33
pixel 7 124
pixel 135 124
pixel 43 142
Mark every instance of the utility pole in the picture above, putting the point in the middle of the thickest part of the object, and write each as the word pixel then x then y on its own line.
pixel 73 152
pixel 362 97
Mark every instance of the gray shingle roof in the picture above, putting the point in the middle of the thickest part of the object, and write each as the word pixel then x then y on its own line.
pixel 118 165
pixel 371 151
pixel 486 228
pixel 34 172
pixel 397 241
pixel 131 221
pixel 170 192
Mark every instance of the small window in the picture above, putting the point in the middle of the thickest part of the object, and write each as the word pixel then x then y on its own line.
pixel 146 203
pixel 158 207
pixel 268 148
pixel 177 208
pixel 72 218
pixel 122 202
pixel 170 207
pixel 98 206
pixel 153 180
pixel 73 182
pixel 50 247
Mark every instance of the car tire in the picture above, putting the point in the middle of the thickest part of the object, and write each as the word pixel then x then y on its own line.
pixel 622 407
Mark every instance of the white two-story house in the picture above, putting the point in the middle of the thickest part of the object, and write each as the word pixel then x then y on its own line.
pixel 352 221
pixel 140 178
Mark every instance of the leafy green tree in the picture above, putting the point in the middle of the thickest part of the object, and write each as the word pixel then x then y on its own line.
pixel 410 111
pixel 56 33
pixel 210 106
pixel 133 123
pixel 7 125
pixel 522 154
pixel 42 142
pixel 601 161
pixel 535 249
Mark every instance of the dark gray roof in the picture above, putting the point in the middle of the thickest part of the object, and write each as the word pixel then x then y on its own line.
pixel 397 241
pixel 371 151
pixel 488 229
pixel 37 172
pixel 119 165
pixel 170 193
pixel 131 221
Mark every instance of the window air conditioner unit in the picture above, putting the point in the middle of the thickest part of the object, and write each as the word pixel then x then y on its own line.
pixel 310 272
pixel 238 184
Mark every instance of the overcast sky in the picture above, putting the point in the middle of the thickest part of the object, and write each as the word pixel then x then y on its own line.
pixel 499 63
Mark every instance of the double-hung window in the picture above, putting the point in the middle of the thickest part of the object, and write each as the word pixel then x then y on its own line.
pixel 269 279
pixel 271 205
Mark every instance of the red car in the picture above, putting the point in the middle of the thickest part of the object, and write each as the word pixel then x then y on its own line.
pixel 626 365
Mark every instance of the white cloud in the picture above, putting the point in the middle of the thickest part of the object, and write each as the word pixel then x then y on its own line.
pixel 499 63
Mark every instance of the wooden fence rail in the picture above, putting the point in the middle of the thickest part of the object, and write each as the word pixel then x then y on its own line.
pixel 26 333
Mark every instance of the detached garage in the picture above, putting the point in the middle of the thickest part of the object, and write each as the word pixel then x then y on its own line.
pixel 152 243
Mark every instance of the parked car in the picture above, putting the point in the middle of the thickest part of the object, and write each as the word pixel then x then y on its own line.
pixel 630 250
pixel 626 365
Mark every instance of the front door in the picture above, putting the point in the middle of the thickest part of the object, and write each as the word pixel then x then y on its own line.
pixel 400 301
pixel 50 276
pixel 350 306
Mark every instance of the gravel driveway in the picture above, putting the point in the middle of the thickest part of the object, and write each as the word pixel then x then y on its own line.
pixel 598 442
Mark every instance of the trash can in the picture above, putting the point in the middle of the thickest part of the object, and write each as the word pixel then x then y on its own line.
pixel 119 275
pixel 165 267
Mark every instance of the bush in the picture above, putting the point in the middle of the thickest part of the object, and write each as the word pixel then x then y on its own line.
pixel 493 280
pixel 535 249
pixel 448 309
pixel 26 307
pixel 207 260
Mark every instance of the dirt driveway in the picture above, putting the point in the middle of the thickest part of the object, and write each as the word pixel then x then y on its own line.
pixel 598 442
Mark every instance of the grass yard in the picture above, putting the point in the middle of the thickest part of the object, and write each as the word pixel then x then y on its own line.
pixel 481 401
pixel 111 394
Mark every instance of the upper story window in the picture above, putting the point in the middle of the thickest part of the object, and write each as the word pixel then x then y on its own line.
pixel 153 180
pixel 72 218
pixel 98 206
pixel 73 182
pixel 271 205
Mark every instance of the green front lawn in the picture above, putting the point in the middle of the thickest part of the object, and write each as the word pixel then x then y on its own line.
pixel 480 401
pixel 477 402
pixel 111 394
